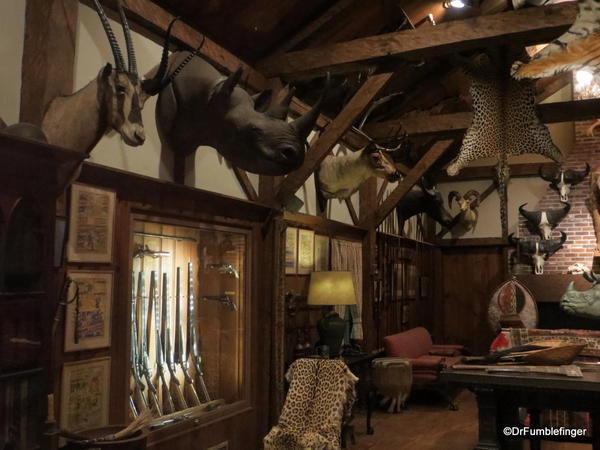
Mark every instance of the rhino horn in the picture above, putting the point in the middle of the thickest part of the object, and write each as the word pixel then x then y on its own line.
pixel 280 111
pixel 262 100
pixel 531 216
pixel 230 83
pixel 571 286
pixel 304 124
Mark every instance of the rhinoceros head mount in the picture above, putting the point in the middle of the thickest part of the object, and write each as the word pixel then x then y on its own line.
pixel 582 303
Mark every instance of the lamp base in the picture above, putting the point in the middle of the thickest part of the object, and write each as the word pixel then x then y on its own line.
pixel 331 330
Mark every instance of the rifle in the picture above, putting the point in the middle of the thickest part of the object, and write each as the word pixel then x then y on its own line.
pixel 143 356
pixel 182 358
pixel 137 401
pixel 192 338
pixel 174 383
pixel 160 369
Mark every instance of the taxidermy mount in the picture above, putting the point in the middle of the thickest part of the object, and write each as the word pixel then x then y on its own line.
pixel 578 48
pixel 593 203
pixel 583 303
pixel 469 211
pixel 543 222
pixel 537 251
pixel 423 200
pixel 563 180
pixel 201 107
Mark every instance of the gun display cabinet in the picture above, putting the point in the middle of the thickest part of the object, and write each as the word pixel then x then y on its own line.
pixel 188 316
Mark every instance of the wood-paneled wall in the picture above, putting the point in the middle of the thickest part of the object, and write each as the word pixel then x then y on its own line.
pixel 469 276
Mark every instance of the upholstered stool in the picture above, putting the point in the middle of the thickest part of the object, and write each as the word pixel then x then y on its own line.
pixel 392 377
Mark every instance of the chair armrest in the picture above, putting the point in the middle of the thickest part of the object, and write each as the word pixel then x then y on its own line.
pixel 427 362
pixel 448 350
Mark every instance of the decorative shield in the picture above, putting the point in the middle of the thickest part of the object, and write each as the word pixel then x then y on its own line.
pixel 512 304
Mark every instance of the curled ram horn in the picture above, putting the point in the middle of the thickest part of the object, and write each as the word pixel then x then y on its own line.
pixel 473 194
pixel 453 195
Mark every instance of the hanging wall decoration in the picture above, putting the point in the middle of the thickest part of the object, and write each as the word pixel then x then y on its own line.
pixel 88 318
pixel 504 122
pixel 91 224
pixel 583 303
pixel 306 251
pixel 85 394
pixel 512 304
pixel 578 48
pixel 291 250
pixel 322 255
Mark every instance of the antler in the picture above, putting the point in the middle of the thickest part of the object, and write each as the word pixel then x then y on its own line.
pixel 114 45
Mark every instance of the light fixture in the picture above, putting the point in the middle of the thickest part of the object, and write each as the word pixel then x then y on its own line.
pixel 584 77
pixel 456 4
pixel 328 289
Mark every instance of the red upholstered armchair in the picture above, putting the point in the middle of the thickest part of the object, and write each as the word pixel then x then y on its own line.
pixel 426 358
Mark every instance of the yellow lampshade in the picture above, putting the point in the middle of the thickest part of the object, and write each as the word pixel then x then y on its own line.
pixel 331 288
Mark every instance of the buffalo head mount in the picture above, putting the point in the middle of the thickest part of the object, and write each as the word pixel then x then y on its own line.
pixel 563 179
pixel 543 222
pixel 201 107
pixel 538 251
pixel 423 200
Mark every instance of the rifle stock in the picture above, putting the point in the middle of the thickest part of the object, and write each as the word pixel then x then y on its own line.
pixel 169 406
pixel 143 357
pixel 192 337
pixel 174 383
pixel 138 402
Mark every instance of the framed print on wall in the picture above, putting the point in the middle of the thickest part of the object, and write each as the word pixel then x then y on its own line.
pixel 306 251
pixel 291 250
pixel 85 394
pixel 91 224
pixel 88 318
pixel 322 257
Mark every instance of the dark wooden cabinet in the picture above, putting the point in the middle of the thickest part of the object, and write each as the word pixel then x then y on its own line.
pixel 31 175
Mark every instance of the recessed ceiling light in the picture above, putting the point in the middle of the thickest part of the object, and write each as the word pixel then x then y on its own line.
pixel 455 4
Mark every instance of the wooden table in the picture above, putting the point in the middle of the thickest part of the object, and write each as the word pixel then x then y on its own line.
pixel 500 395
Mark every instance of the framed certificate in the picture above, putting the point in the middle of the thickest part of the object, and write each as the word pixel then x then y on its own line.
pixel 306 251
pixel 291 250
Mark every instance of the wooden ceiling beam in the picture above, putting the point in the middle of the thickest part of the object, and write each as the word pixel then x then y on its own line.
pixel 486 172
pixel 332 134
pixel 418 124
pixel 528 25
pixel 424 164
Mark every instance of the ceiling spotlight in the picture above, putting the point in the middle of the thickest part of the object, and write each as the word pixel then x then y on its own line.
pixel 584 77
pixel 455 4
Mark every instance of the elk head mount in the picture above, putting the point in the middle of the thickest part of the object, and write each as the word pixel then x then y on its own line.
pixel 537 251
pixel 583 303
pixel 563 179
pixel 543 222
pixel 201 107
pixel 469 209
pixel 423 200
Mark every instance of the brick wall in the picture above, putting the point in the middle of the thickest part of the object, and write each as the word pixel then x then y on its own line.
pixel 581 240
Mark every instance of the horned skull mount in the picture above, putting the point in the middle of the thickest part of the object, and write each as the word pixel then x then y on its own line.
pixel 563 179
pixel 544 221
pixel 538 251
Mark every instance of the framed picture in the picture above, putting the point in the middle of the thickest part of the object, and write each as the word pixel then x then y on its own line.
pixel 60 235
pixel 306 251
pixel 88 318
pixel 291 250
pixel 321 252
pixel 91 224
pixel 85 394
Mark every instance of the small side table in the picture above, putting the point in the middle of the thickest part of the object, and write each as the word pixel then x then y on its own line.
pixel 392 377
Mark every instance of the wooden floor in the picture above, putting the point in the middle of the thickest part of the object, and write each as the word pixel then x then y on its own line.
pixel 429 425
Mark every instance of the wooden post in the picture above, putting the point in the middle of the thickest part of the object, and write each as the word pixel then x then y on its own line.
pixel 368 203
pixel 48 55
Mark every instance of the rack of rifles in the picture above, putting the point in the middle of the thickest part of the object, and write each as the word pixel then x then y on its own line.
pixel 152 382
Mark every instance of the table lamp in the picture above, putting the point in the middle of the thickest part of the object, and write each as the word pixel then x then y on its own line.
pixel 329 289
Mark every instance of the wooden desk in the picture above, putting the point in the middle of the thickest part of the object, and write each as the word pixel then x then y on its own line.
pixel 500 395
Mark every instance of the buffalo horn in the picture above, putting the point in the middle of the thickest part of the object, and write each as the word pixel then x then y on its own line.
pixel 556 215
pixel 531 216
pixel 576 176
pixel 132 67
pixel 550 179
pixel 304 124
pixel 114 45
pixel 280 111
